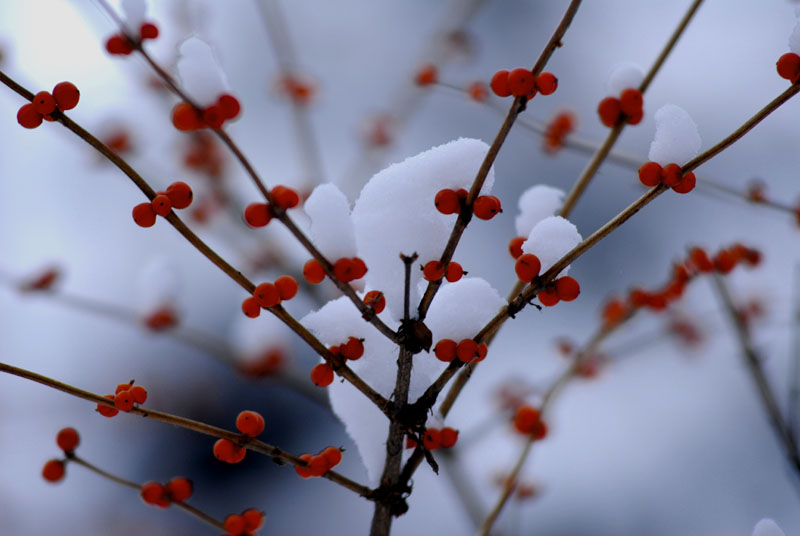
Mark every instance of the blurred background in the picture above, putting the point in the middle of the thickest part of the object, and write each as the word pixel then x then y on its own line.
pixel 667 439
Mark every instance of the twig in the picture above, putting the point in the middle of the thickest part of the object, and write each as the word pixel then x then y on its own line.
pixel 794 375
pixel 277 454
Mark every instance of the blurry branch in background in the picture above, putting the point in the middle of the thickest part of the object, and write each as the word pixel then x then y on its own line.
pixel 794 374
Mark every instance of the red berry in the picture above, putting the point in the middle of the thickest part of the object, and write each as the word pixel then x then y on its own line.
pixel 304 471
pixel 445 350
pixel 119 45
pixel 483 351
pixel 234 524
pixel 609 111
pixel 454 272
pixel 123 387
pixel 447 202
pixel 267 295
pixel 144 215
pixel 426 76
pixel 179 489
pixel 124 401
pixel 789 66
pixel 213 116
pixel 467 350
pixel 499 84
pixel 67 439
pixel 345 270
pixel 567 288
pixel 161 205
pixel 432 439
pixel 53 470
pixel 448 436
pixel 285 197
pixel 548 296
pixel 539 430
pixel 521 82
pixel 148 30
pixel 478 91
pixel 376 300
pixel 186 117
pixel 671 175
pixel 410 443
pixel 153 493
pixel 613 312
pixel 636 118
pixel 650 174
pixel 546 83
pixel 139 394
pixel 631 102
pixel 107 411
pixel 333 456
pixel 515 247
pixel 724 261
pixel 525 419
pixel 225 450
pixel 257 215
pixel 359 267
pixel 287 287
pixel 180 194
pixel 353 349
pixel 433 271
pixel 250 307
pixel 250 423
pixel 486 207
pixel 66 96
pixel 318 465
pixel 527 267
pixel 322 375
pixel 313 272
pixel 28 117
pixel 253 518
pixel 229 105
pixel 686 184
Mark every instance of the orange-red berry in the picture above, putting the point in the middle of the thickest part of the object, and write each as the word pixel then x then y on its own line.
pixel 454 272
pixel 539 430
pixel 304 471
pixel 287 287
pixel 225 450
pixel 148 30
pixel 515 246
pixel 68 439
pixel 432 439
pixel 250 307
pixel 144 215
pixel 686 184
pixel 447 201
pixel 548 296
pixel 345 270
pixel 448 437
pixel 44 103
pixel 525 419
pixel 332 455
pixel 467 350
pixel 353 349
pixel 426 76
pixel 567 288
pixel 527 267
pixel 179 489
pixel 139 394
pixel 609 111
pixel 119 45
pixel 433 271
pixel 359 267
pixel 234 524
pixel 631 102
pixel 124 401
pixel 253 518
pixel 28 117
pixel 788 66
pixel 671 175
pixel 318 465
pixel 546 83
pixel 699 258
pixel 162 205
pixel 186 117
pixel 486 207
pixel 229 105
pixel 285 197
pixel 66 95
pixel 107 411
pixel 313 272
pixel 322 375
pixel 478 91
pixel 257 214
pixel 53 470
pixel 445 350
pixel 376 300
pixel 267 295
pixel 250 423
pixel 650 174
pixel 154 493
pixel 499 84
pixel 521 82
pixel 180 194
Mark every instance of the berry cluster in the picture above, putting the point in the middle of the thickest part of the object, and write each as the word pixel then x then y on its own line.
pixel 67 440
pixel 557 130
pixel 435 271
pixel 65 96
pixel 122 45
pixel 260 214
pixel 176 490
pixel 178 195
pixel 467 350
pixel 250 424
pixel 434 438
pixel 527 268
pixel 186 117
pixel 652 174
pixel 126 396
pixel 528 421
pixel 629 107
pixel 449 201
pixel 521 83
pixel 789 67
pixel 353 349
pixel 243 524
pixel 345 270
pixel 318 465
pixel 268 295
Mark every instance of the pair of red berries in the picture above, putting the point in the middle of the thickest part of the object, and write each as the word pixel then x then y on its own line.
pixel 528 421
pixel 67 440
pixel 449 201
pixel 467 350
pixel 435 271
pixel 322 374
pixel 268 295
pixel 788 67
pixel 250 424
pixel 562 289
pixel 121 45
pixel 260 214
pixel 176 490
pixel 434 438
pixel 346 269
pixel 186 117
pixel 318 465
pixel 521 83
pixel 126 396
pixel 65 96
pixel 243 524
pixel 629 107
pixel 652 174
pixel 178 195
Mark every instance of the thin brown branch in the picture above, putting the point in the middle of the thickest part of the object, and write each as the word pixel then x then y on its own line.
pixel 277 454
pixel 794 375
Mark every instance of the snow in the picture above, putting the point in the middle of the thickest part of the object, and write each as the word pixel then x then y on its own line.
pixel 158 285
pixel 199 71
pixel 767 527
pixel 331 227
pixel 551 239
pixel 535 204
pixel 677 139
pixel 134 12
pixel 794 37
pixel 462 308
pixel 251 338
pixel 395 214
pixel 623 76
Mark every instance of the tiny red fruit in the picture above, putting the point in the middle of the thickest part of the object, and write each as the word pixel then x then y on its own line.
pixel 609 111
pixel 376 300
pixel 180 194
pixel 250 423
pixel 144 215
pixel 527 267
pixel 487 207
pixel 285 197
pixel 433 271
pixel 521 82
pixel 650 174
pixel 322 375
pixel 445 350
pixel 454 272
pixel 267 295
pixel 257 215
pixel 162 205
pixel 499 84
pixel 287 287
pixel 66 95
pixel 567 288
pixel 447 201
pixel 179 489
pixel 53 470
pixel 28 117
pixel 546 83
pixel 68 439
pixel 313 272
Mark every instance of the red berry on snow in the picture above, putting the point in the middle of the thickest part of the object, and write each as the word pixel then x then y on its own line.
pixel 486 207
pixel 304 471
pixel 525 419
pixel 28 117
pixel 359 268
pixel 478 91
pixel 515 246
pixel 454 272
pixel 322 375
pixel 119 45
pixel 353 349
pixel 213 116
pixel 376 300
pixel 66 95
pixel 447 202
pixel 448 437
pixel 686 184
pixel 527 267
pixel 186 117
pixel 433 271
pixel 631 102
pixel 671 175
pixel 148 30
pixel 467 350
pixel 229 105
pixel 445 350
pixel 344 270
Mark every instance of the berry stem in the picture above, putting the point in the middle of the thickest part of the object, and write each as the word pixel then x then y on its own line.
pixel 196 426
